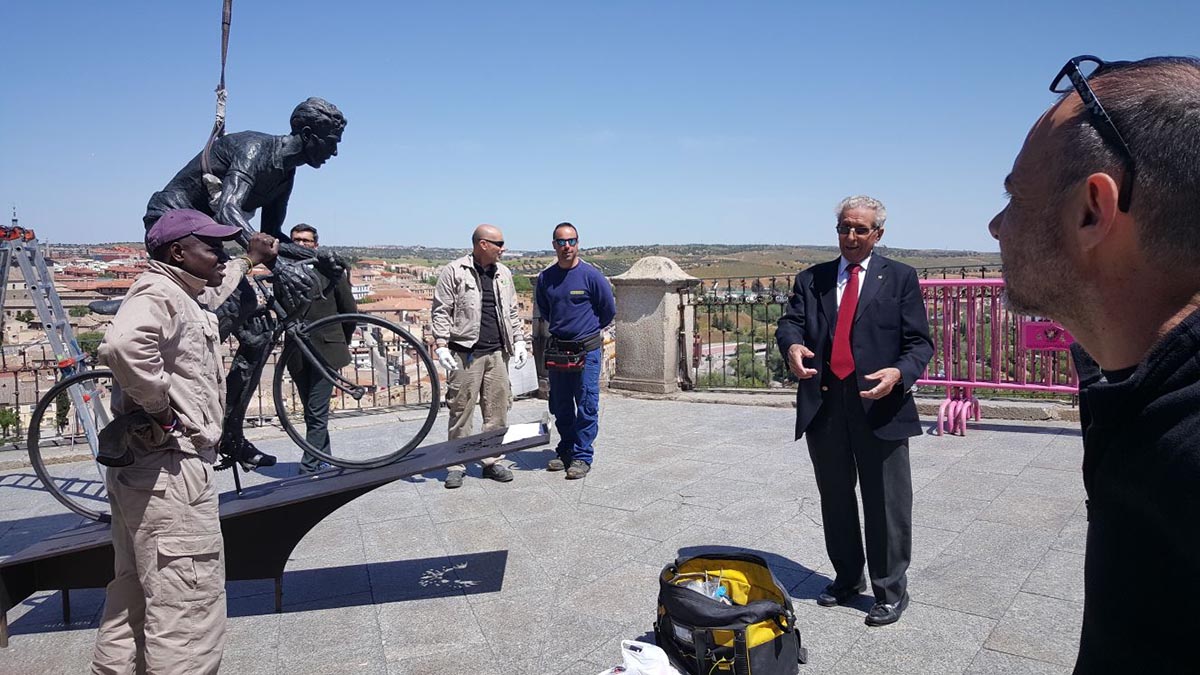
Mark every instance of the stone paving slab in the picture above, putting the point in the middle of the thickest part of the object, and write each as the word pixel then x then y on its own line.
pixel 547 576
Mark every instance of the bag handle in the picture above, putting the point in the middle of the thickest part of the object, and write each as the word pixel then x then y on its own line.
pixel 741 654
pixel 700 644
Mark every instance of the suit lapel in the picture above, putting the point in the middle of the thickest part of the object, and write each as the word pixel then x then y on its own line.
pixel 825 288
pixel 872 279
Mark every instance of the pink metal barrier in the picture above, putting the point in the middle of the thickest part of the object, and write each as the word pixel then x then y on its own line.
pixel 979 344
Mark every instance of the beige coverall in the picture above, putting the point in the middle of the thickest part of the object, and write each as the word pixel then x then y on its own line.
pixel 165 610
pixel 457 302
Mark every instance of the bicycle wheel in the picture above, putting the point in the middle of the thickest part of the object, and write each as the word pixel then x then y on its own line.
pixel 62 448
pixel 383 403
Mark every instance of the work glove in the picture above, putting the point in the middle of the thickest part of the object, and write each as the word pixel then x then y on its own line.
pixel 520 354
pixel 446 359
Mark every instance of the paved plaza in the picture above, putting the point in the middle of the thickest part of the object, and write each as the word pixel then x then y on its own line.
pixel 547 576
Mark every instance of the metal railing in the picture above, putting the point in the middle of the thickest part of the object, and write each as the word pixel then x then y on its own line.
pixel 734 340
pixel 399 381
pixel 961 272
pixel 27 372
pixel 978 343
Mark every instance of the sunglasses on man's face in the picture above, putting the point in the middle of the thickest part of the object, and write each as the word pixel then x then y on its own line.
pixel 566 242
pixel 1075 75
pixel 493 242
pixel 860 230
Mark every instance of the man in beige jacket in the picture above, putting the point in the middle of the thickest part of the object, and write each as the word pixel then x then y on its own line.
pixel 165 609
pixel 476 329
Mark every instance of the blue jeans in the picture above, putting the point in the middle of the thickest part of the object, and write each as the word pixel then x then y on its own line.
pixel 575 404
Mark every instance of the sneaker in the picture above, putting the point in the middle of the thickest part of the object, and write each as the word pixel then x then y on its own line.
pixel 556 464
pixel 454 480
pixel 579 469
pixel 321 466
pixel 498 473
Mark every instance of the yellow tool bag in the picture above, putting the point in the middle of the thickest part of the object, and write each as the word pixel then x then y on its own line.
pixel 724 612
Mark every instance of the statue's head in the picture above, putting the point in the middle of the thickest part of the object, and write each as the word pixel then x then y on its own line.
pixel 319 125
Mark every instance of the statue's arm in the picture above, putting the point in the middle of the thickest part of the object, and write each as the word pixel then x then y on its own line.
pixel 234 189
pixel 275 213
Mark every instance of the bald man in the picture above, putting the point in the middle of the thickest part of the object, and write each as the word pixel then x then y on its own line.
pixel 1101 234
pixel 476 331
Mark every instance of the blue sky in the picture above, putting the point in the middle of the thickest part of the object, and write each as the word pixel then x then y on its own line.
pixel 642 122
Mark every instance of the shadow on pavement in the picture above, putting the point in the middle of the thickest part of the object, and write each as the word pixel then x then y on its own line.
pixel 373 583
pixel 1015 428
pixel 304 590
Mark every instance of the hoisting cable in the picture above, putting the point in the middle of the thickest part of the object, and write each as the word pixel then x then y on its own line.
pixel 218 129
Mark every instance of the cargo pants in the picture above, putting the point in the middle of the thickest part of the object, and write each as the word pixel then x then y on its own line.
pixel 164 611
pixel 482 379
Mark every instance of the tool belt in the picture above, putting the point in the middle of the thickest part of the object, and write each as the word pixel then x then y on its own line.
pixel 570 355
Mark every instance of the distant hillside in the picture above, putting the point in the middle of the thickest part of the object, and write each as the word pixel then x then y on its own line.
pixel 701 260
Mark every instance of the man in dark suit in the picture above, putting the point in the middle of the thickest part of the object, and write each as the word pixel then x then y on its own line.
pixel 857 337
pixel 332 344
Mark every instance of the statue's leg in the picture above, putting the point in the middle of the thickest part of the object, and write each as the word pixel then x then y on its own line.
pixel 241 384
pixel 253 328
pixel 237 309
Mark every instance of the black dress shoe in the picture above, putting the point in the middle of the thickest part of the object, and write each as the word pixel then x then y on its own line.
pixel 838 596
pixel 884 613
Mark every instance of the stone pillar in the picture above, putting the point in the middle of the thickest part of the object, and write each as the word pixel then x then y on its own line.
pixel 648 324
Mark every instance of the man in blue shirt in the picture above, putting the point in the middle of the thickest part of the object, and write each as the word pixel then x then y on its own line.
pixel 576 300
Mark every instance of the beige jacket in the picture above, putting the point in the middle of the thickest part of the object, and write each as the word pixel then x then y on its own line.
pixel 164 350
pixel 457 303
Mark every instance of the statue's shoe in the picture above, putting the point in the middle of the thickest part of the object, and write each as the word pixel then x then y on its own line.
pixel 243 452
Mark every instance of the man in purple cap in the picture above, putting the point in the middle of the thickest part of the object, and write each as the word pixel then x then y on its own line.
pixel 164 611
pixel 242 173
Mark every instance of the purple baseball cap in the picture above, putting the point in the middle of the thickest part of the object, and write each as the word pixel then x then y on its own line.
pixel 179 223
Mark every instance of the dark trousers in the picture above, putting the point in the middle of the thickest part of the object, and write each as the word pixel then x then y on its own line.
pixel 315 392
pixel 844 450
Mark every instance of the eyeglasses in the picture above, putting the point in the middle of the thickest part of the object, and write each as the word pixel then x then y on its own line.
pixel 1077 72
pixel 493 242
pixel 566 242
pixel 303 240
pixel 860 230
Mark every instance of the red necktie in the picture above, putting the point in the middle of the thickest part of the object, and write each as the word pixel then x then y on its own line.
pixel 842 362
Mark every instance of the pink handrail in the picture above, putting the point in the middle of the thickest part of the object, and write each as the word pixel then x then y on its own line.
pixel 980 343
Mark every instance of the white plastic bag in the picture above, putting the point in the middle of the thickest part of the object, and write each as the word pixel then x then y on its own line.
pixel 642 658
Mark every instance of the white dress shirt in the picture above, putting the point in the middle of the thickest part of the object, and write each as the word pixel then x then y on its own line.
pixel 843 277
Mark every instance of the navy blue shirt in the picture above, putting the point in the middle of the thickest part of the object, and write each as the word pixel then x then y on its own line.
pixel 577 302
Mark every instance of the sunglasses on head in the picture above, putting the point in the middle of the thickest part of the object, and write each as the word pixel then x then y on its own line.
pixel 1075 75
pixel 566 242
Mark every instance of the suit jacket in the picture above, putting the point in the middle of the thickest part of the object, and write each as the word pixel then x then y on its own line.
pixel 891 330
pixel 331 341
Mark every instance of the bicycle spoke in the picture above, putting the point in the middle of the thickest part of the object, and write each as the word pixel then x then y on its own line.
pixel 62 442
pixel 391 369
